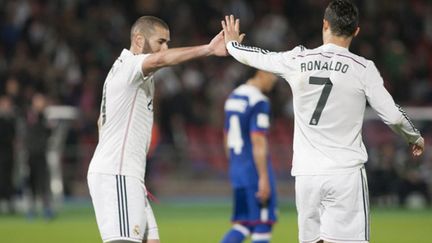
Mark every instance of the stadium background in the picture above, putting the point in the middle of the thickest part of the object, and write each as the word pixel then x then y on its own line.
pixel 63 49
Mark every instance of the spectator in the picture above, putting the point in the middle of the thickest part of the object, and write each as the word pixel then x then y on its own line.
pixel 38 134
pixel 7 137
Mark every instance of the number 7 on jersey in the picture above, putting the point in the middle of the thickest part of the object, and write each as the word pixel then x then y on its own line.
pixel 328 85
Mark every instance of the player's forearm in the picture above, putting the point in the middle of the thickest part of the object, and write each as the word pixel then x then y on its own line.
pixel 175 56
pixel 259 151
pixel 179 55
pixel 392 114
pixel 396 118
pixel 261 165
pixel 399 122
pixel 406 128
pixel 408 134
pixel 254 56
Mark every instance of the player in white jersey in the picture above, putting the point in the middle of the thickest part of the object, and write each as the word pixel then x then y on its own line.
pixel 330 88
pixel 116 172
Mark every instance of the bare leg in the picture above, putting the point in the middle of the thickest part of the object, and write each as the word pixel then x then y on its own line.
pixel 151 241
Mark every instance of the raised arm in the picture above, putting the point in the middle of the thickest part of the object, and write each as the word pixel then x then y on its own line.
pixel 391 113
pixel 274 62
pixel 174 56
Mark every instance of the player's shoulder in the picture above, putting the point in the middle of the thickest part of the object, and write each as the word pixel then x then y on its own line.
pixel 359 59
pixel 331 50
pixel 298 50
pixel 128 56
pixel 366 64
pixel 253 94
pixel 131 64
pixel 346 54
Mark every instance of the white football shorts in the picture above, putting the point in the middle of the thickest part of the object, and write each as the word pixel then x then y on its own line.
pixel 122 208
pixel 333 208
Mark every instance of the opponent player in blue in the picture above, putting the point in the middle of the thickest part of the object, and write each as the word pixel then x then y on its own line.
pixel 247 121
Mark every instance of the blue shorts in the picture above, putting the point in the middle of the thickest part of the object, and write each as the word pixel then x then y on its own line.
pixel 249 211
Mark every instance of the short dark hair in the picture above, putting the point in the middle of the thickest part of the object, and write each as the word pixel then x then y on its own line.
pixel 145 25
pixel 343 17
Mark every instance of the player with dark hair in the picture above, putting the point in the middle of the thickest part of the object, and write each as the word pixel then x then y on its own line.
pixel 116 172
pixel 247 120
pixel 330 86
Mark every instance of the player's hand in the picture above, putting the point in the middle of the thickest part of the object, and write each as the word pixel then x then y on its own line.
pixel 418 147
pixel 264 190
pixel 217 45
pixel 231 29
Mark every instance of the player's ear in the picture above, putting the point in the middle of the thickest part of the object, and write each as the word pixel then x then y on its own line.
pixel 326 25
pixel 139 40
pixel 356 31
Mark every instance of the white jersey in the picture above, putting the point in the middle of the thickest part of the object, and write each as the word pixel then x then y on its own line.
pixel 330 88
pixel 125 120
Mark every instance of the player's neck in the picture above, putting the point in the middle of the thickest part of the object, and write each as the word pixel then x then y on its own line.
pixel 135 50
pixel 339 41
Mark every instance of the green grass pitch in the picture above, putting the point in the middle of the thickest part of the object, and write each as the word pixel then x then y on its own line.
pixel 203 223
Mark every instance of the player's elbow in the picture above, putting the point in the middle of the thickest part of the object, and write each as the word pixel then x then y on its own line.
pixel 395 120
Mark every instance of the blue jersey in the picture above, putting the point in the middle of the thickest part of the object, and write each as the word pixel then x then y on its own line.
pixel 247 111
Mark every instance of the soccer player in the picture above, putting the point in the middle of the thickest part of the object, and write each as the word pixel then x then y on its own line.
pixel 330 88
pixel 116 172
pixel 247 121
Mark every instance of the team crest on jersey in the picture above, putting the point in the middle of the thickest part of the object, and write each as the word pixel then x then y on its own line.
pixel 136 230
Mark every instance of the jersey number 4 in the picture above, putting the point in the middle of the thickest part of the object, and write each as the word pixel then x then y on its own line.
pixel 235 140
pixel 328 85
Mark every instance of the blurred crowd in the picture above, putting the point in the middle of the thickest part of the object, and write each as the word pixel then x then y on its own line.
pixel 58 53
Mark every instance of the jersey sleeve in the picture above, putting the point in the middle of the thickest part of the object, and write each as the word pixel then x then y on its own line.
pixel 260 117
pixel 382 102
pixel 275 62
pixel 137 71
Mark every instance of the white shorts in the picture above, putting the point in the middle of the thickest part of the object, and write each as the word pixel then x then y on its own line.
pixel 121 207
pixel 334 208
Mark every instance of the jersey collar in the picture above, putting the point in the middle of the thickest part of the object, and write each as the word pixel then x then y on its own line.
pixel 331 46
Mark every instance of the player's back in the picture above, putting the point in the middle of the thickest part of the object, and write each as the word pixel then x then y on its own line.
pixel 246 111
pixel 329 103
